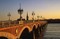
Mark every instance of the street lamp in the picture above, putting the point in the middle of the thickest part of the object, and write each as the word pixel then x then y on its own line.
pixel 33 16
pixel 20 11
pixel 38 17
pixel 9 15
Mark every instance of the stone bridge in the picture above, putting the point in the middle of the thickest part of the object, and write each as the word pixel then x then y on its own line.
pixel 31 30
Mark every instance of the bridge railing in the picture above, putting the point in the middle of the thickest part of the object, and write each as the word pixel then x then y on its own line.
pixel 8 24
pixel 13 23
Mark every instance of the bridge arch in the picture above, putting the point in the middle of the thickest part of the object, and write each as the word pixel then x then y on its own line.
pixel 34 27
pixel 3 37
pixel 6 35
pixel 25 34
pixel 35 31
pixel 26 29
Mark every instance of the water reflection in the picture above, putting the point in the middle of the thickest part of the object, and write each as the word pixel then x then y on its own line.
pixel 53 31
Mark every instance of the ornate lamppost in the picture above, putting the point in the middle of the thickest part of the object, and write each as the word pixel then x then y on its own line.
pixel 33 16
pixel 9 15
pixel 38 17
pixel 20 11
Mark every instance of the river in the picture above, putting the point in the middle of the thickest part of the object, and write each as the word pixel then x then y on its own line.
pixel 52 31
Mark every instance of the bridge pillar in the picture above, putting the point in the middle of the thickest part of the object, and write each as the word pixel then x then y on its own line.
pixel 32 34
pixel 43 29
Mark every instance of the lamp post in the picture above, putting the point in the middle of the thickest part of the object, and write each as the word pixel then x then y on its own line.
pixel 9 15
pixel 33 16
pixel 38 17
pixel 20 11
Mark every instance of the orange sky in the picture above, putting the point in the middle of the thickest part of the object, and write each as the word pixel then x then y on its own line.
pixel 45 8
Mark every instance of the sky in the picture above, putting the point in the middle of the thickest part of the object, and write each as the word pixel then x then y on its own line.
pixel 49 9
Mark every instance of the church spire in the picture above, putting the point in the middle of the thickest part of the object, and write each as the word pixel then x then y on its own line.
pixel 27 18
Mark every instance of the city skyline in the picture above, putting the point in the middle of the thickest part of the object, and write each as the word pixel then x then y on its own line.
pixel 44 8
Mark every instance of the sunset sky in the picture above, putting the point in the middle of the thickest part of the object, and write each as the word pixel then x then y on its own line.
pixel 45 8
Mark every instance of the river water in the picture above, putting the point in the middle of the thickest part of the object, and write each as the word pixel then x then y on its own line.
pixel 52 31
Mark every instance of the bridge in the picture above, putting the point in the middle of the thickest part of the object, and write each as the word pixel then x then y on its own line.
pixel 27 30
